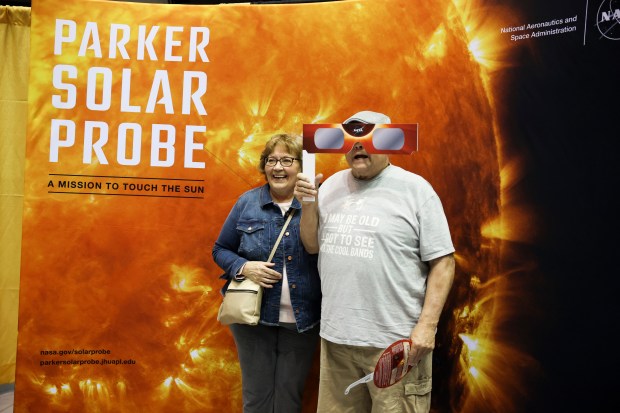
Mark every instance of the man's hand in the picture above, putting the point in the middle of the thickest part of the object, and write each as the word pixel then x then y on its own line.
pixel 309 222
pixel 422 342
pixel 305 188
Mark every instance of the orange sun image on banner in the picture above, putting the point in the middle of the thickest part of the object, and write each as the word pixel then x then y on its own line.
pixel 144 128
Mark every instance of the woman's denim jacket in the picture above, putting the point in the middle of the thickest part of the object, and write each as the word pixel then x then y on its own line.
pixel 249 233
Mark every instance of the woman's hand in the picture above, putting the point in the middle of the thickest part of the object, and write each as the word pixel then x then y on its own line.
pixel 261 273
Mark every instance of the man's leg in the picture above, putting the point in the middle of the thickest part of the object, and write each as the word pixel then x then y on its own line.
pixel 339 368
pixel 410 395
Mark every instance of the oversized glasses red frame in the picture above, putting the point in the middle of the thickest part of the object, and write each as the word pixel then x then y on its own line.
pixel 394 138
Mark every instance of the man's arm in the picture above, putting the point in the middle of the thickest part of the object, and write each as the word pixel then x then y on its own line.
pixel 438 284
pixel 309 222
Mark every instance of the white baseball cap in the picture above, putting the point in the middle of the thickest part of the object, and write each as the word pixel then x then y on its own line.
pixel 367 116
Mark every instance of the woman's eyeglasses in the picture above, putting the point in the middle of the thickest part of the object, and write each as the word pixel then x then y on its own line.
pixel 285 161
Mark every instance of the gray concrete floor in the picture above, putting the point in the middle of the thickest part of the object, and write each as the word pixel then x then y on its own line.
pixel 6 398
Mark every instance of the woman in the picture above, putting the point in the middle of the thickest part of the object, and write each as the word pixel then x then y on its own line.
pixel 275 355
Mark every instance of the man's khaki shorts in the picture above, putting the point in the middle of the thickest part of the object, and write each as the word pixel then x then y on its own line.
pixel 341 365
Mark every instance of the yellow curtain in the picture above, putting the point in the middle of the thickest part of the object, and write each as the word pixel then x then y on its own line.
pixel 14 59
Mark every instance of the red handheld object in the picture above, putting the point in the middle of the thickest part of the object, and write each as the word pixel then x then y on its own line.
pixel 392 366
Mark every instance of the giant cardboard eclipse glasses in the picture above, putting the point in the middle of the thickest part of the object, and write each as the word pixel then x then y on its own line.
pixel 394 138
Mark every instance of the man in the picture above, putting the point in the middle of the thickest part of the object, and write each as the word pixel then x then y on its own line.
pixel 386 265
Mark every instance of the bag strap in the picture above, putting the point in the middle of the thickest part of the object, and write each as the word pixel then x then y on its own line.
pixel 290 214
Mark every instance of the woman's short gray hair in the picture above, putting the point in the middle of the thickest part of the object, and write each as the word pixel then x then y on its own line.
pixel 292 142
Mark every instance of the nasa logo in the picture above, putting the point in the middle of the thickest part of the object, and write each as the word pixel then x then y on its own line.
pixel 608 19
pixel 358 129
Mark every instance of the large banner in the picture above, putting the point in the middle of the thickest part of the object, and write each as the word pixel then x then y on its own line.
pixel 146 123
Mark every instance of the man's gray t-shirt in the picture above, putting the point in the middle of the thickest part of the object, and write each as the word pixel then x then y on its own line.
pixel 376 236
